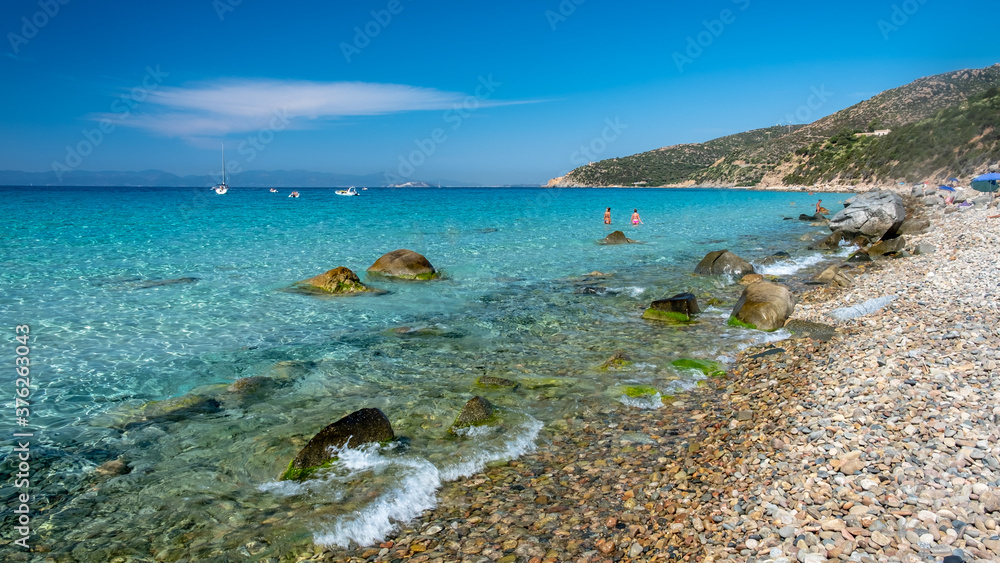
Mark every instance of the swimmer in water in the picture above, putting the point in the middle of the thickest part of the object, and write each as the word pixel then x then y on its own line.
pixel 607 216
pixel 635 217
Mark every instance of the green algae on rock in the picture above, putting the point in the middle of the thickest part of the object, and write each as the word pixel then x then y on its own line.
pixel 365 426
pixel 338 281
pixel 476 412
pixel 672 317
pixel 710 368
pixel 618 360
pixel 636 391
pixel 491 382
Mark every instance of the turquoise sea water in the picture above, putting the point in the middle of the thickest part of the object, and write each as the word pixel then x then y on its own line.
pixel 169 295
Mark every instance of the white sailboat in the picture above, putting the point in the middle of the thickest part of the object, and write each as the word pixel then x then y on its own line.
pixel 222 188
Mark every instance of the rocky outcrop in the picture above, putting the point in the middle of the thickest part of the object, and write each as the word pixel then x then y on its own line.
pixel 492 382
pixel 338 281
pixel 477 412
pixel 617 237
pixel 360 427
pixel 831 242
pixel 874 215
pixel 403 264
pixel 763 306
pixel 720 262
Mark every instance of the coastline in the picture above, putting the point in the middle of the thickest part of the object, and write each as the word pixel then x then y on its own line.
pixel 878 445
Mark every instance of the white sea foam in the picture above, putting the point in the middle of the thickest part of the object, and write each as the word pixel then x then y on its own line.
pixel 790 266
pixel 414 493
pixel 414 490
pixel 646 402
pixel 521 442
pixel 758 337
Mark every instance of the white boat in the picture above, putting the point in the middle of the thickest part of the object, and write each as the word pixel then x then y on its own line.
pixel 222 188
pixel 273 190
pixel 293 194
pixel 348 191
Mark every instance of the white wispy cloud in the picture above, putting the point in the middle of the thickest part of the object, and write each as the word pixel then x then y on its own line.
pixel 241 105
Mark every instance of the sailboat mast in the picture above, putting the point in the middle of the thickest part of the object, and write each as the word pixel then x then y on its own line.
pixel 223 164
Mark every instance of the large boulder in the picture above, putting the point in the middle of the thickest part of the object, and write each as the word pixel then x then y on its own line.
pixel 914 226
pixel 617 237
pixel 365 426
pixel 874 215
pixel 337 281
pixel 403 264
pixel 721 262
pixel 763 306
pixel 831 242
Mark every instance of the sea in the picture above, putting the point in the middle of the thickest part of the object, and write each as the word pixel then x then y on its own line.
pixel 143 306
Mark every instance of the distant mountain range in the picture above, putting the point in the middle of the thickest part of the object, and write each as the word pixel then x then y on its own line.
pixel 938 126
pixel 245 179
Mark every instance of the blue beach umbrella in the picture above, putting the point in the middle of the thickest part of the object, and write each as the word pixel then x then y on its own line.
pixel 949 188
pixel 986 182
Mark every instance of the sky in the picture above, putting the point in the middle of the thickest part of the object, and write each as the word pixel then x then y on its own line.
pixel 479 93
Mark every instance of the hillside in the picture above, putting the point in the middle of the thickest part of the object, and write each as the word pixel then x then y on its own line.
pixel 956 141
pixel 749 158
pixel 669 165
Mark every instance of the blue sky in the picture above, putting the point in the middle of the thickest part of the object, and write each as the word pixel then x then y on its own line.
pixel 488 92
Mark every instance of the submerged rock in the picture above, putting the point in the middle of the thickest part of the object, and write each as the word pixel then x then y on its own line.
pixel 477 412
pixel 365 426
pixel 720 262
pixel 618 360
pixel 338 281
pixel 157 283
pixel 710 368
pixel 491 382
pixel 780 256
pixel 403 264
pixel 617 237
pixel 763 306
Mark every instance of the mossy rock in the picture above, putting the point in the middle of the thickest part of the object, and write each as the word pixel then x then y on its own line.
pixel 708 367
pixel 293 473
pixel 671 317
pixel 736 323
pixel 364 426
pixel 491 382
pixel 639 391
pixel 667 399
pixel 403 264
pixel 338 281
pixel 476 412
pixel 619 360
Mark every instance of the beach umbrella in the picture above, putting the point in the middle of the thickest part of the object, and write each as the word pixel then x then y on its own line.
pixel 986 182
pixel 952 179
pixel 949 188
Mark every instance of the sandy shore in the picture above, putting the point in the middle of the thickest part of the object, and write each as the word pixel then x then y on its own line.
pixel 878 445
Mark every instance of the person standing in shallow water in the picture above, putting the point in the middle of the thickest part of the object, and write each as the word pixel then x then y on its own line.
pixel 635 217
pixel 607 216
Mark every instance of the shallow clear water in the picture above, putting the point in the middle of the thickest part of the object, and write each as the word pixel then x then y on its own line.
pixel 85 268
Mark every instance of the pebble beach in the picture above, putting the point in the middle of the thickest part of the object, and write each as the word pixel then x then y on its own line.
pixel 874 442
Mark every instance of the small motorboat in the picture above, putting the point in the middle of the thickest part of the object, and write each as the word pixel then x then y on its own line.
pixel 293 194
pixel 273 190
pixel 348 191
